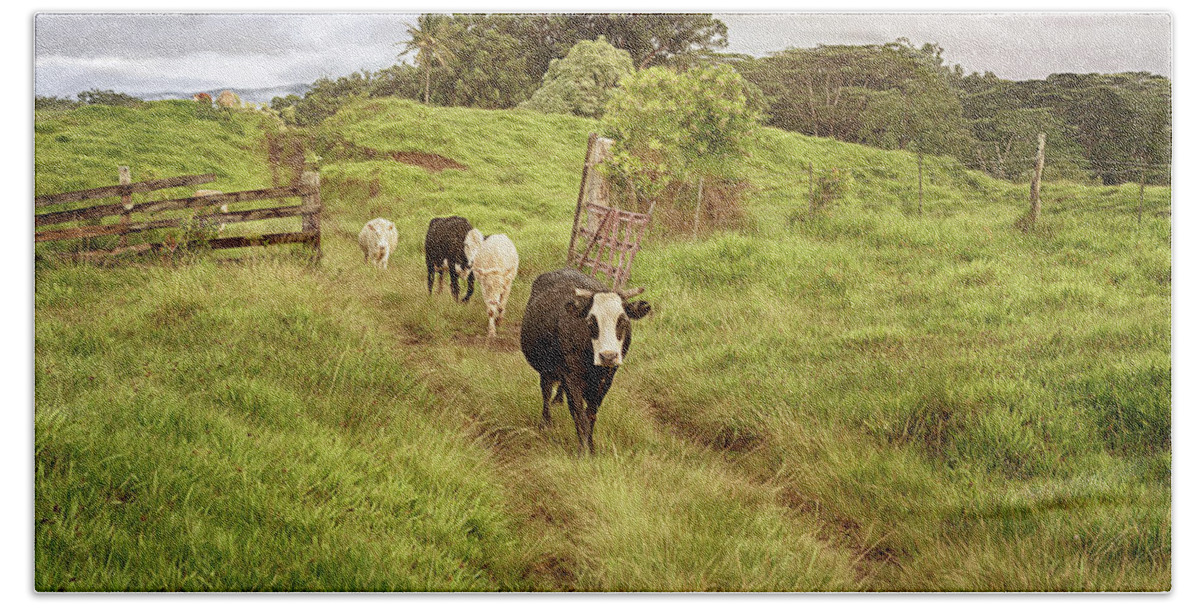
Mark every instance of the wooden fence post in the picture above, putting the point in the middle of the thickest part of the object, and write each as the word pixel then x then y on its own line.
pixel 1035 189
pixel 811 202
pixel 310 221
pixel 124 178
pixel 1141 192
pixel 696 216
pixel 920 183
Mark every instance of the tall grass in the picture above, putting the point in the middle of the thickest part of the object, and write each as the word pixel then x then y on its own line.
pixel 868 398
pixel 225 428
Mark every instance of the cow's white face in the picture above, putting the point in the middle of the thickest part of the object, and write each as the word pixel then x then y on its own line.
pixel 608 325
pixel 472 244
pixel 381 246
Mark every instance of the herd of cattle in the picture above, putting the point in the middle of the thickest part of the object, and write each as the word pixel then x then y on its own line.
pixel 575 332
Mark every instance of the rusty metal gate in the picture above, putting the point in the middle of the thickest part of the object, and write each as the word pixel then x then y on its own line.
pixel 604 239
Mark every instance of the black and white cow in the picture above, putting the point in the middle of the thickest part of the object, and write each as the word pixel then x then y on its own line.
pixel 450 246
pixel 575 334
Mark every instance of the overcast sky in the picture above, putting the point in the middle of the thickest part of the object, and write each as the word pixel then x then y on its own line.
pixel 148 53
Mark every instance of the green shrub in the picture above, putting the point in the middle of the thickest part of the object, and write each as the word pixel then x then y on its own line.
pixel 671 127
pixel 581 82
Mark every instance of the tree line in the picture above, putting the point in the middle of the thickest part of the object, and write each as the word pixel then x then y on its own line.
pixel 1108 128
pixel 1103 127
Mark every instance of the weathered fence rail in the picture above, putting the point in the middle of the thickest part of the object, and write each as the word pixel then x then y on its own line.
pixel 309 211
pixel 122 189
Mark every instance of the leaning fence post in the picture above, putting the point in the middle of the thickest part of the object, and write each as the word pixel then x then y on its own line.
pixel 311 202
pixel 587 159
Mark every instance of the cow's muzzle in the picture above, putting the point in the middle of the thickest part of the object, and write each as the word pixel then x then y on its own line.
pixel 608 358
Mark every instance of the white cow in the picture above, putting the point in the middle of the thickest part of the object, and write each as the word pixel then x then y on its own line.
pixel 495 267
pixel 377 240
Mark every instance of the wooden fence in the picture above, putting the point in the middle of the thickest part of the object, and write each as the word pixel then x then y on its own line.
pixel 604 239
pixel 87 222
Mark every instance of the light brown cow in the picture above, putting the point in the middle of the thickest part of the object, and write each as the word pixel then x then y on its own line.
pixel 495 267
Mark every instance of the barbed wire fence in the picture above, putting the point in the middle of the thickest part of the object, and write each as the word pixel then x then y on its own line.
pixel 818 178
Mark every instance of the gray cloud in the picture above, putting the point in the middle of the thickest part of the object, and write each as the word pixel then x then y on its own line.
pixel 1012 45
pixel 146 53
pixel 151 52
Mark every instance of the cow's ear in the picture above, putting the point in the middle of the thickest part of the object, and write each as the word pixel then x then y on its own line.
pixel 581 303
pixel 637 309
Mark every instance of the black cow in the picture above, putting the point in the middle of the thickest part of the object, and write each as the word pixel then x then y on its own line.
pixel 447 250
pixel 575 333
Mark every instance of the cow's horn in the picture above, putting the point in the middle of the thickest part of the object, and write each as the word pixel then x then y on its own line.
pixel 583 293
pixel 625 295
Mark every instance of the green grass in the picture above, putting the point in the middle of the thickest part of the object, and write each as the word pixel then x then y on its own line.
pixel 224 430
pixel 865 399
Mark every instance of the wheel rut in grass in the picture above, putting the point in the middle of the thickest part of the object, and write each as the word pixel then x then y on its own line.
pixel 519 452
pixel 749 452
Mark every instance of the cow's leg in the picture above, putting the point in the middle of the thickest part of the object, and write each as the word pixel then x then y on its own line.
pixel 598 383
pixel 470 286
pixel 549 385
pixel 575 402
pixel 453 282
pixel 429 279
pixel 593 408
pixel 503 303
pixel 441 284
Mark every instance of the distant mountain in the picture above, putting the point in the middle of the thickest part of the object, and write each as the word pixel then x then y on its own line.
pixel 259 95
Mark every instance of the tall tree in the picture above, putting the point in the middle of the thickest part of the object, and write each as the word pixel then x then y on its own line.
pixel 892 95
pixel 654 38
pixel 650 39
pixel 1110 125
pixel 428 44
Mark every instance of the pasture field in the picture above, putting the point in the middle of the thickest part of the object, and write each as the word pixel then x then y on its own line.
pixel 866 399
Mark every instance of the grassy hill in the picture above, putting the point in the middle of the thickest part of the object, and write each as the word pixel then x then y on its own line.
pixel 867 399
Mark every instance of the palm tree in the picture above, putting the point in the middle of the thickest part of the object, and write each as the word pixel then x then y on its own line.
pixel 427 42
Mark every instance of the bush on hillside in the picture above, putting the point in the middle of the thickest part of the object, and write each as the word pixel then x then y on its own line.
pixel 581 82
pixel 671 129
